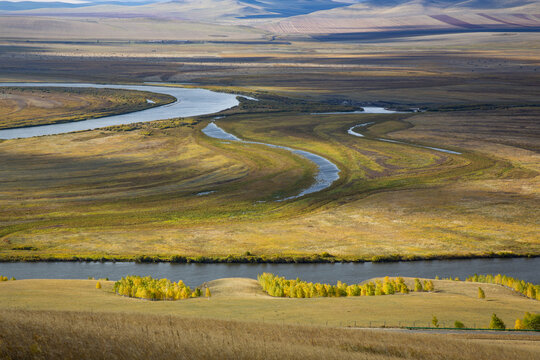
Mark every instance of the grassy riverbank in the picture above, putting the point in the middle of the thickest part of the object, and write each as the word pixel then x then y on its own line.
pixel 244 300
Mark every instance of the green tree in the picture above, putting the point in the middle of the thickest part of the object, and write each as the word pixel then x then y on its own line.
pixel 496 323
pixel 481 293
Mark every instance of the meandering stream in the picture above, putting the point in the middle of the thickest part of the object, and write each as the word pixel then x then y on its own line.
pixel 327 172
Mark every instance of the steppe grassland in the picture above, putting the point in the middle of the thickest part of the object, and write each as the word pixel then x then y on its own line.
pixel 21 106
pixel 435 212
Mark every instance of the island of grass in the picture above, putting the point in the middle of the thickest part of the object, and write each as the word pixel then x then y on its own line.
pixel 32 106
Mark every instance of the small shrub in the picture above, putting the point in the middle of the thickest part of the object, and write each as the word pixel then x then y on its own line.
pixel 208 294
pixel 435 321
pixel 459 325
pixel 428 285
pixel 98 285
pixel 418 285
pixel 496 323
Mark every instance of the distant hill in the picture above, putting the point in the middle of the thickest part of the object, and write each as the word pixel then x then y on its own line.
pixel 232 8
pixel 281 17
pixel 414 15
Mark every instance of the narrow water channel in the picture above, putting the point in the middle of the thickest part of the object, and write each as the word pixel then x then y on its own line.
pixel 327 171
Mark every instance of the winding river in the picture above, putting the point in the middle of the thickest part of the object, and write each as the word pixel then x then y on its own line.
pixel 190 102
pixel 327 171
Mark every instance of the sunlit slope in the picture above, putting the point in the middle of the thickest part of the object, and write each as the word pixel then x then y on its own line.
pixel 52 27
pixel 375 16
pixel 179 9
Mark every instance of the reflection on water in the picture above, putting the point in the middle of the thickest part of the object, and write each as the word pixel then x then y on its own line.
pixel 195 274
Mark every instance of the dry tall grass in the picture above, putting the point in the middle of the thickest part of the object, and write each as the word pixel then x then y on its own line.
pixel 79 335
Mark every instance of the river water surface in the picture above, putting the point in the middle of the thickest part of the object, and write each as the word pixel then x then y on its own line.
pixel 190 102
pixel 195 274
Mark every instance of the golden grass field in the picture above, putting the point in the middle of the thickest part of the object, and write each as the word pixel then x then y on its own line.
pixel 243 299
pixel 91 335
pixel 73 318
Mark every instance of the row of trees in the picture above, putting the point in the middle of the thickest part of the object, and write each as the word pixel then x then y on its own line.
pixel 5 278
pixel 529 322
pixel 528 289
pixel 155 289
pixel 281 287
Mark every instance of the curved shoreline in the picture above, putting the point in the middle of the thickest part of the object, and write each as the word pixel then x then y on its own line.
pixel 328 171
pixel 189 102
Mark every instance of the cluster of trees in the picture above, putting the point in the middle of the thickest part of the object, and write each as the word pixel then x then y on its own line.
pixel 529 290
pixel 155 289
pixel 529 322
pixel 5 278
pixel 281 287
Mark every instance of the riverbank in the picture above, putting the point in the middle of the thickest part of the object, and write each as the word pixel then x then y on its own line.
pixel 258 259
